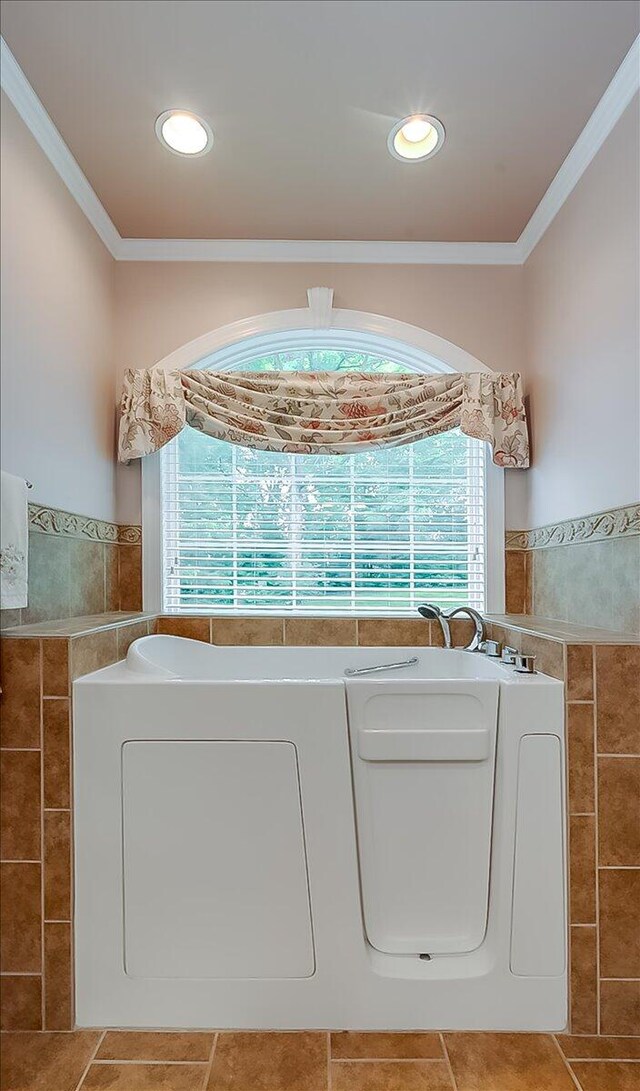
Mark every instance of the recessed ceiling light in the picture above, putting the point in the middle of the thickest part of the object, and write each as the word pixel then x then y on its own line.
pixel 184 133
pixel 416 138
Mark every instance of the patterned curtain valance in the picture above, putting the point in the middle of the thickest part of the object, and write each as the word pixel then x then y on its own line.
pixel 330 413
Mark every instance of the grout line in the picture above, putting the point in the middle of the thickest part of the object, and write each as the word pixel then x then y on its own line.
pixel 20 973
pixel 603 755
pixel 620 979
pixel 11 861
pixel 147 1061
pixel 21 749
pixel 388 1060
pixel 566 1064
pixel 448 1062
pixel 208 1069
pixel 618 867
pixel 80 1082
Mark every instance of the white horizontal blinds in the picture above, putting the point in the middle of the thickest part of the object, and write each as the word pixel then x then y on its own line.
pixel 374 533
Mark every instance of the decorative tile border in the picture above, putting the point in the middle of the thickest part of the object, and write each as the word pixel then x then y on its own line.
pixel 69 525
pixel 616 523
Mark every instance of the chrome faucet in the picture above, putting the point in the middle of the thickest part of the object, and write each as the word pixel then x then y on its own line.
pixel 434 613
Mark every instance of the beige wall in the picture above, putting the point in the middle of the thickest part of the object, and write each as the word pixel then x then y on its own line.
pixel 583 363
pixel 161 305
pixel 57 323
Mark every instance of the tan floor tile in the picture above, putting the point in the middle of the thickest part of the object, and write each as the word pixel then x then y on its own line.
pixel 20 805
pixel 580 1047
pixel 155 1046
pixel 620 1007
pixel 20 1002
pixel 390 1076
pixel 144 1077
pixel 507 1062
pixel 269 1062
pixel 356 1045
pixel 45 1062
pixel 611 1076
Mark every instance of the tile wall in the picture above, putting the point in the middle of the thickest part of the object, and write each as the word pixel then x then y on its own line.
pixel 585 571
pixel 78 566
pixel 602 694
pixel 36 909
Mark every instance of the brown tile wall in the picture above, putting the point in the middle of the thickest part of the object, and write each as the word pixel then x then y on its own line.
pixel 74 577
pixel 602 694
pixel 36 834
pixel 603 737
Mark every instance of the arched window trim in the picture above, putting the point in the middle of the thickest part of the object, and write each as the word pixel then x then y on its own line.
pixel 231 346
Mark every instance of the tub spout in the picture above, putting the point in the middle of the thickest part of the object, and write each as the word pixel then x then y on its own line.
pixel 433 613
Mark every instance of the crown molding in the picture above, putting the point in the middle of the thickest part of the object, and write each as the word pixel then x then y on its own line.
pixel 616 98
pixel 319 251
pixel 607 113
pixel 18 89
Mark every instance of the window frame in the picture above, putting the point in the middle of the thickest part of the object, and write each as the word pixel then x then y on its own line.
pixel 232 356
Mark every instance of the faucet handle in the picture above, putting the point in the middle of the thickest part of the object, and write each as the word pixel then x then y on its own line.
pixel 509 655
pixel 492 648
pixel 525 664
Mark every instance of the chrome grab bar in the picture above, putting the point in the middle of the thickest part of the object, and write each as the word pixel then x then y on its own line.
pixel 350 671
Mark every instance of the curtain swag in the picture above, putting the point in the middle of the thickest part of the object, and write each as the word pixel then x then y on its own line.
pixel 332 413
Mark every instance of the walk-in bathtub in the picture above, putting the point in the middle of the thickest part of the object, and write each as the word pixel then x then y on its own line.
pixel 264 840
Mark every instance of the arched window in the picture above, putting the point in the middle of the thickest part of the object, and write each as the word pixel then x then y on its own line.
pixel 377 533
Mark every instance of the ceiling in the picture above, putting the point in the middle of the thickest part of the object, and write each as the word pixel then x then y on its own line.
pixel 301 95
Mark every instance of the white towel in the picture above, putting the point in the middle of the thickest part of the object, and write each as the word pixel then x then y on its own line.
pixel 14 541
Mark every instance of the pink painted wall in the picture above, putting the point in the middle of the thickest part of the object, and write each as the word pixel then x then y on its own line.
pixel 582 290
pixel 57 326
pixel 161 305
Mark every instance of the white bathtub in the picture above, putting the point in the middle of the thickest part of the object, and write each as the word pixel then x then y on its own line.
pixel 264 842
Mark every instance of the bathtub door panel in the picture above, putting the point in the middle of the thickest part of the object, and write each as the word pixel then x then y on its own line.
pixel 538 912
pixel 215 876
pixel 424 757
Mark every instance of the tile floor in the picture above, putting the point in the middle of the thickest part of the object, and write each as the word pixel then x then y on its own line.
pixel 310 1061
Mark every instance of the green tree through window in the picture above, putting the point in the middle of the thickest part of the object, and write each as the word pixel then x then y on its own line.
pixel 373 533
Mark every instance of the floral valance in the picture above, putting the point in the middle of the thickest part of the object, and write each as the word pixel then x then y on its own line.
pixel 330 413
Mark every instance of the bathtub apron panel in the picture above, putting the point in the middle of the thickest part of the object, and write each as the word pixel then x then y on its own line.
pixel 423 757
